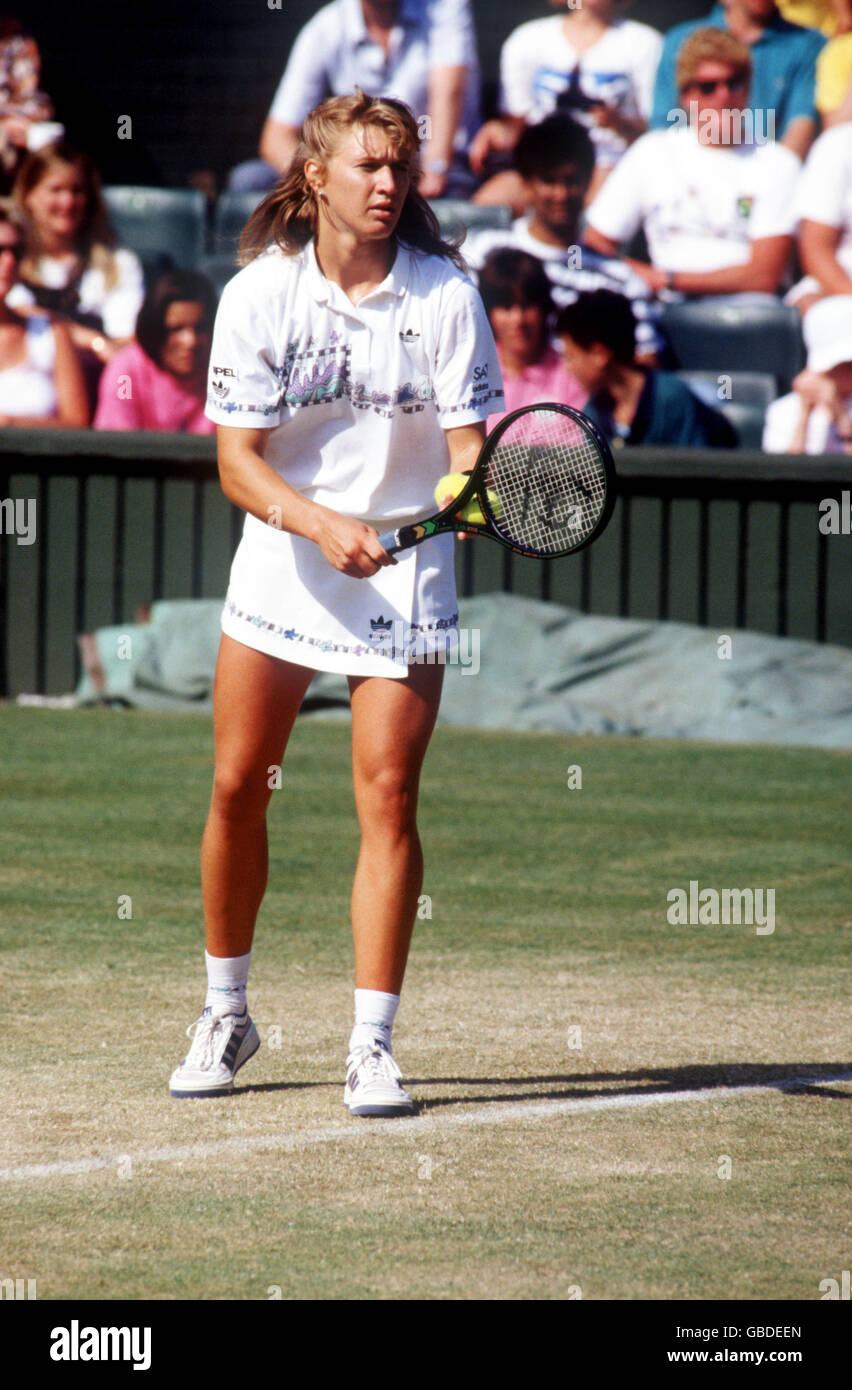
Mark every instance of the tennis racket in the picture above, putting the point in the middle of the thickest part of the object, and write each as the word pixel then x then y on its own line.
pixel 545 483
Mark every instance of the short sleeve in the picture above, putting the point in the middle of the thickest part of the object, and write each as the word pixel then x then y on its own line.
pixel 466 378
pixel 618 210
pixel 306 77
pixel 774 211
pixel 452 41
pixel 244 385
pixel 649 46
pixel 516 71
pixel 801 84
pixel 117 408
pixel 122 303
pixel 823 188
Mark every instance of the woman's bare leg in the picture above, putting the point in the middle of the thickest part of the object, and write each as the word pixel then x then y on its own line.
pixel 255 702
pixel 392 722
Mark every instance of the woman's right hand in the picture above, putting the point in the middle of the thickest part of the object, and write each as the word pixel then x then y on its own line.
pixel 351 546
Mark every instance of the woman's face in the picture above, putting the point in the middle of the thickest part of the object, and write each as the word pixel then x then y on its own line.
pixel 11 251
pixel 59 202
pixel 362 188
pixel 588 364
pixel 187 344
pixel 519 331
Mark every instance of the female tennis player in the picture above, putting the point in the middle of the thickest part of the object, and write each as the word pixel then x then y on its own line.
pixel 352 366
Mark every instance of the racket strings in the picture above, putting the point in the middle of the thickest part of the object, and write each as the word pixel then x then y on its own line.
pixel 547 482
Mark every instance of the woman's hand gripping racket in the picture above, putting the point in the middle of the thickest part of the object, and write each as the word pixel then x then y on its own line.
pixel 544 486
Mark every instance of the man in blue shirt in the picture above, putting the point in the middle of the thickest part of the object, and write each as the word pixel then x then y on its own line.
pixel 783 78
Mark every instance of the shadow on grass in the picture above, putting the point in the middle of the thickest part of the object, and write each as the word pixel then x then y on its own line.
pixel 792 1077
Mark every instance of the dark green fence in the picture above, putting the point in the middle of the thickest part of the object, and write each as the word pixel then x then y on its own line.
pixel 720 539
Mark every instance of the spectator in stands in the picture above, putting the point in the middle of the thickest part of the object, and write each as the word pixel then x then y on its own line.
pixel 41 382
pixel 816 417
pixel 824 206
pixel 631 404
pixel 831 16
pixel 834 81
pixel 73 267
pixel 516 293
pixel 159 381
pixel 716 204
pixel 25 110
pixel 589 62
pixel 421 51
pixel 555 160
pixel 783 59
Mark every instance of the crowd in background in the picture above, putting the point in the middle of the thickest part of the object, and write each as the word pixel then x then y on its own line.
pixel 713 163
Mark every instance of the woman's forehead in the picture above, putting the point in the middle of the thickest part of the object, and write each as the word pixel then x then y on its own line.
pixel 372 140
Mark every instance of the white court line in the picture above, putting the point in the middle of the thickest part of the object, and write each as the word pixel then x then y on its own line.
pixel 488 1114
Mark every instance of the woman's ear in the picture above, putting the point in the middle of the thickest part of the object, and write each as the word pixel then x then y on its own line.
pixel 314 177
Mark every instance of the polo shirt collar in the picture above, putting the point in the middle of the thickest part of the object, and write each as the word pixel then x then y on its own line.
pixel 778 24
pixel 407 16
pixel 394 283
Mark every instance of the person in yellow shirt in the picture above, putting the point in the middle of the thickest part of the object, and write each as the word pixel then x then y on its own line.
pixel 831 16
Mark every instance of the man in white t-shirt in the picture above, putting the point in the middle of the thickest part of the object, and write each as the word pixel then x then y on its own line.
pixel 555 160
pixel 824 208
pixel 422 52
pixel 715 203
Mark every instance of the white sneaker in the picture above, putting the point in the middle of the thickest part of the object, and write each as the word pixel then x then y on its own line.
pixel 219 1048
pixel 372 1083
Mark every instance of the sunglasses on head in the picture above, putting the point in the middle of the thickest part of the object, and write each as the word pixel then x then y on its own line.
pixel 737 83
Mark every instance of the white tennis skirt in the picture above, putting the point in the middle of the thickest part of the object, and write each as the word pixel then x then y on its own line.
pixel 284 598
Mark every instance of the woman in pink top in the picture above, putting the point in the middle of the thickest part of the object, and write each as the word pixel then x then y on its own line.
pixel 159 381
pixel 516 293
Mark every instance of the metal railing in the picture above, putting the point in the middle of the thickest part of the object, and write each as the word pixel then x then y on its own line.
pixel 711 537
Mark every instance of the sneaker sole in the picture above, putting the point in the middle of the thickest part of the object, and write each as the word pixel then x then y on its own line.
pixel 226 1087
pixel 371 1109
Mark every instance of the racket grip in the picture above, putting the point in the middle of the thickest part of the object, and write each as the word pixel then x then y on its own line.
pixel 391 542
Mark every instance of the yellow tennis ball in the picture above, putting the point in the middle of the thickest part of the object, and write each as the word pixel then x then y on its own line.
pixel 451 485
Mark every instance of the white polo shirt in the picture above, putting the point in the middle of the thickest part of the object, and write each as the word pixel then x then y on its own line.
pixel 357 399
pixel 333 54
pixel 701 207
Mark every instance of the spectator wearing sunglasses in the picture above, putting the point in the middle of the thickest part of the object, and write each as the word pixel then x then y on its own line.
pixel 715 204
pixel 783 58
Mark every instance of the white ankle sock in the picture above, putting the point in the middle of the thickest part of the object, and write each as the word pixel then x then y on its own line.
pixel 227 977
pixel 374 1016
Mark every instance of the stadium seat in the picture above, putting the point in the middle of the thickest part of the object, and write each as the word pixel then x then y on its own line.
pixel 731 338
pixel 456 217
pixel 220 268
pixel 153 221
pixel 744 399
pixel 230 215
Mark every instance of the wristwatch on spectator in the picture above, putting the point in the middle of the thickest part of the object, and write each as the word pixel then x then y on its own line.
pixel 436 166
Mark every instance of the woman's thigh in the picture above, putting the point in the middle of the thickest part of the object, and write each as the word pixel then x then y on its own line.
pixel 392 723
pixel 256 698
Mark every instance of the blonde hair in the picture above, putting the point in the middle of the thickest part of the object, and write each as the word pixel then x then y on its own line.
pixel 710 46
pixel 95 240
pixel 288 215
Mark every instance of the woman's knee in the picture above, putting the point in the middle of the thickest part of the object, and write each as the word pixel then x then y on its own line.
pixel 242 793
pixel 387 800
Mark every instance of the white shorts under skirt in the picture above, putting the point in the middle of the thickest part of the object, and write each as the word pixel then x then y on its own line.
pixel 284 598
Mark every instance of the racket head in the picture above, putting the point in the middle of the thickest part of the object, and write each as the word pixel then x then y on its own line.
pixel 545 481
